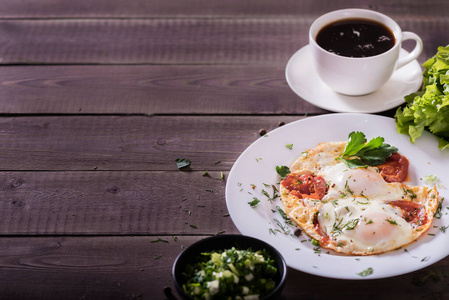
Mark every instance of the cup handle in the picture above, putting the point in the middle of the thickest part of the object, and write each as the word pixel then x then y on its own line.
pixel 407 35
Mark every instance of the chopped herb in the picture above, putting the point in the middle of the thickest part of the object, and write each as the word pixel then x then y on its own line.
pixel 305 153
pixel 334 203
pixel 156 257
pixel 409 193
pixel 182 162
pixel 226 215
pixel 223 272
pixel 391 221
pixel 264 192
pixel 347 188
pixel 438 213
pixel 443 228
pixel 429 179
pixel 220 232
pixel 358 153
pixel 258 159
pixel 210 191
pixel 194 226
pixel 284 228
pixel 271 231
pixel 253 186
pixel 363 203
pixel 217 162
pixel 282 213
pixel 351 224
pixel 425 258
pixel 289 146
pixel 363 195
pixel 366 272
pixel 284 216
pixel 175 238
pixel 283 171
pixel 159 240
pixel 205 173
pixel 255 202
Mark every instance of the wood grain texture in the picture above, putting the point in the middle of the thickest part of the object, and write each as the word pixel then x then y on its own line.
pixel 113 203
pixel 87 268
pixel 149 90
pixel 160 8
pixel 131 143
pixel 140 268
pixel 206 8
pixel 262 41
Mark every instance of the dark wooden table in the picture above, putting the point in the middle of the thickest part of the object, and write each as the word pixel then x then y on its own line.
pixel 98 99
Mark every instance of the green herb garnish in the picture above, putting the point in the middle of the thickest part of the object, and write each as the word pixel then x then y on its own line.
pixel 391 221
pixel 366 272
pixel 283 171
pixel 358 153
pixel 159 240
pixel 182 162
pixel 254 203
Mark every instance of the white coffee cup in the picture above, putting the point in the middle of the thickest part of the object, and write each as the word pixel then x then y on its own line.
pixel 360 75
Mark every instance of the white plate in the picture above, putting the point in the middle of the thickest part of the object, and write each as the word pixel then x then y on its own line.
pixel 256 166
pixel 305 82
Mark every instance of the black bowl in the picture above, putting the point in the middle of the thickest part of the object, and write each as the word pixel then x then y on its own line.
pixel 227 241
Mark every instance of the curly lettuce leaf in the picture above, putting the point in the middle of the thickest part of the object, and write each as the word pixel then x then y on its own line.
pixel 429 109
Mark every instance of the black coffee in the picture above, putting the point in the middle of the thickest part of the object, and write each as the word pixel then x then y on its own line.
pixel 356 38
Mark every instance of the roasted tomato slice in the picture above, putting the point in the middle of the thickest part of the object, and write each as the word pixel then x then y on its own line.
pixel 306 185
pixel 413 212
pixel 395 168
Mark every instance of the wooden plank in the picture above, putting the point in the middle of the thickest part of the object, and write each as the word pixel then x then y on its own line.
pixel 202 8
pixel 76 143
pixel 161 41
pixel 135 268
pixel 149 90
pixel 158 8
pixel 87 268
pixel 172 41
pixel 113 203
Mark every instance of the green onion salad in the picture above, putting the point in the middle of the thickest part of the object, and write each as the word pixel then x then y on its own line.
pixel 231 274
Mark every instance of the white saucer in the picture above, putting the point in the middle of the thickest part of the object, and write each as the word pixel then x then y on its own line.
pixel 305 82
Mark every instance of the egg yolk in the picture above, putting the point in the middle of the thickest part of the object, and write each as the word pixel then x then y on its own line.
pixel 374 228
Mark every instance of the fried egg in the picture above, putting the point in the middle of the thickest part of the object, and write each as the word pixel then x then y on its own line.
pixel 356 212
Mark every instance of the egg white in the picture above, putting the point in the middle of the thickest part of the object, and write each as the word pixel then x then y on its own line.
pixel 361 225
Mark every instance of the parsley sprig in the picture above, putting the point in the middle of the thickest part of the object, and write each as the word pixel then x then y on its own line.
pixel 282 171
pixel 360 153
